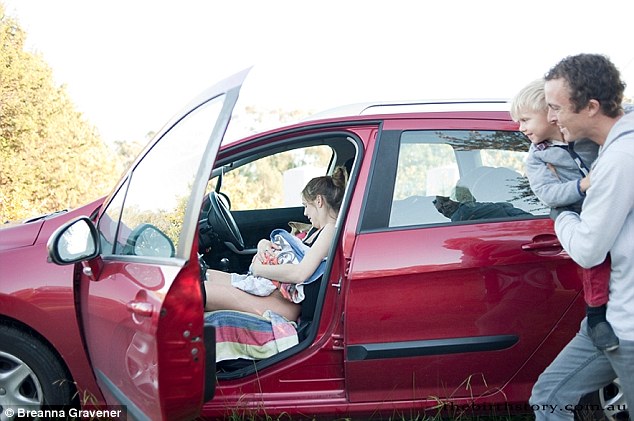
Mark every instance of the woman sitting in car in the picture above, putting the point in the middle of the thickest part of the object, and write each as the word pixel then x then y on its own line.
pixel 322 199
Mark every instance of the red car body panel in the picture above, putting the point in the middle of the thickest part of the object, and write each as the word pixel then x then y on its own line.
pixel 146 346
pixel 25 236
pixel 42 298
pixel 467 286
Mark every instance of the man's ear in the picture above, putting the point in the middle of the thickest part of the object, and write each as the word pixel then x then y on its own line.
pixel 594 107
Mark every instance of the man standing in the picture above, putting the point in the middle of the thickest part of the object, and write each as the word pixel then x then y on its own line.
pixel 584 95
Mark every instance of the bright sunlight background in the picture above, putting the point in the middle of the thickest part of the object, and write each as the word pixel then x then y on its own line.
pixel 130 65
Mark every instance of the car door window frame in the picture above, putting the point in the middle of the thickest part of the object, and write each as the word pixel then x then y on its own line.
pixel 194 200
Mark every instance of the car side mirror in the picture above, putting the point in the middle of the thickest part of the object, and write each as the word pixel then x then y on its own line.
pixel 148 240
pixel 73 242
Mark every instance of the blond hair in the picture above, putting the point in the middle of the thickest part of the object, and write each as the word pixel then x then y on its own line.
pixel 529 98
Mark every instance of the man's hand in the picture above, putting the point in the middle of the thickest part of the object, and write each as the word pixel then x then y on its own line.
pixel 585 183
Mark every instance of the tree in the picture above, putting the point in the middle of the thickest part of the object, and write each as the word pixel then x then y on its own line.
pixel 52 158
pixel 127 152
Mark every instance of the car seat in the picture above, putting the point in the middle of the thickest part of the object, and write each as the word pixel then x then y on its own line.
pixel 500 184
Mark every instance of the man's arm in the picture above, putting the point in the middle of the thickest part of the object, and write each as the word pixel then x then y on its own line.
pixel 588 237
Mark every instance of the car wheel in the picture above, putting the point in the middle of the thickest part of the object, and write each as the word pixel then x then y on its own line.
pixel 607 404
pixel 30 374
pixel 613 402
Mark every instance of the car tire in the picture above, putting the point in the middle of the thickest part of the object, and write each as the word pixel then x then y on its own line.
pixel 31 375
pixel 589 408
pixel 606 404
pixel 613 402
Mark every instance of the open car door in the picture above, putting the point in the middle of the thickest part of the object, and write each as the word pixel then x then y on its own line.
pixel 139 291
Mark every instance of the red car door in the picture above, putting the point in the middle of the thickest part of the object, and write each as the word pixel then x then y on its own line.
pixel 465 304
pixel 140 299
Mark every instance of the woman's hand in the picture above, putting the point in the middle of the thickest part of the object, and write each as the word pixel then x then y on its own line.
pixel 255 265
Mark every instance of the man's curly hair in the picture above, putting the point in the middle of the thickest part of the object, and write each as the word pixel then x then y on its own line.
pixel 591 76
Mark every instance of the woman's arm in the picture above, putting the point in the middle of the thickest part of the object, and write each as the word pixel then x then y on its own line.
pixel 298 273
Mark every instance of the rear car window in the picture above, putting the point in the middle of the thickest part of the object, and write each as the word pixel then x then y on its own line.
pixel 461 176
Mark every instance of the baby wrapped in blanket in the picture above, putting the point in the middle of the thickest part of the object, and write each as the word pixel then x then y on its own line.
pixel 291 251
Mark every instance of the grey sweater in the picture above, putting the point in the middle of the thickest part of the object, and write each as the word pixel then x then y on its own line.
pixel 606 224
pixel 560 189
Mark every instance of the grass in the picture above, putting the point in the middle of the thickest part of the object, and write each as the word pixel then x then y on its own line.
pixel 285 417
pixel 443 410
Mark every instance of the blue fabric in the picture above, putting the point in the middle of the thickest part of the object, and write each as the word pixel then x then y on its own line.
pixel 300 249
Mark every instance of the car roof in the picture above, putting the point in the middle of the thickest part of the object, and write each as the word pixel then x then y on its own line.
pixel 496 109
pixel 412 107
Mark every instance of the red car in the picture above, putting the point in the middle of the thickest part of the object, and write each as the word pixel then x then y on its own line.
pixel 445 288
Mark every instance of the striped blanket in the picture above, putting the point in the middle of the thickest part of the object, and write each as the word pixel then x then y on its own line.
pixel 247 336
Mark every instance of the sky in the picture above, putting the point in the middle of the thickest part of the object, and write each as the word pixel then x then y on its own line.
pixel 129 65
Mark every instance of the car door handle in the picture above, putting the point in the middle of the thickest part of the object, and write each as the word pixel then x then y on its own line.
pixel 550 245
pixel 140 308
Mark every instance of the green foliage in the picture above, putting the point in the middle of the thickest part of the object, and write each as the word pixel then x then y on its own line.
pixel 417 163
pixel 52 158
pixel 127 151
pixel 264 177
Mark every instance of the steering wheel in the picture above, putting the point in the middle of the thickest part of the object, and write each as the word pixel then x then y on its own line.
pixel 220 220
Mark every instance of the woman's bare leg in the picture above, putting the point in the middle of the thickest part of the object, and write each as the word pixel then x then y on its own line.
pixel 221 295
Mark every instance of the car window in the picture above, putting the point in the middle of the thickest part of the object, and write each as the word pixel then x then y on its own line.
pixel 460 176
pixel 146 215
pixel 277 180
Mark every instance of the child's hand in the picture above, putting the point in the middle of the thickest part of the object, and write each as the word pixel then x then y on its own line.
pixel 263 245
pixel 266 251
